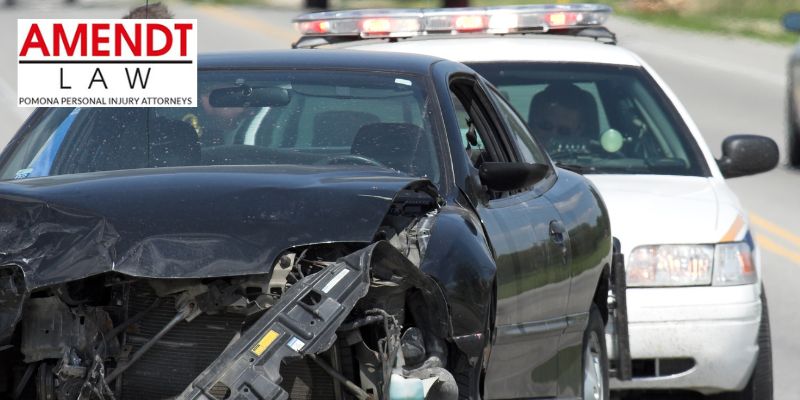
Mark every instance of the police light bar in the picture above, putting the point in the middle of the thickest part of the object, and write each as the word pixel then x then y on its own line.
pixel 398 23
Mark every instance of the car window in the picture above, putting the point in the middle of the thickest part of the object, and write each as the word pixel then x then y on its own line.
pixel 483 141
pixel 470 138
pixel 334 123
pixel 479 136
pixel 308 118
pixel 520 97
pixel 599 118
pixel 529 150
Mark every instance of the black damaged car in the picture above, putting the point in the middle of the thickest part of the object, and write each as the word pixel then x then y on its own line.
pixel 326 225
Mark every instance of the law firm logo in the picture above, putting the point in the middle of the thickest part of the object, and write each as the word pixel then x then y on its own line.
pixel 107 63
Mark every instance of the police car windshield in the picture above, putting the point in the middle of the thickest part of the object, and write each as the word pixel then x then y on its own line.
pixel 599 118
pixel 347 119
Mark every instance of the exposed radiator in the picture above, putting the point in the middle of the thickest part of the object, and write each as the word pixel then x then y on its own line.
pixel 182 354
pixel 172 363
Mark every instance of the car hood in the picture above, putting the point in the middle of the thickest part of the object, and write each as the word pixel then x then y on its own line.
pixel 653 209
pixel 191 222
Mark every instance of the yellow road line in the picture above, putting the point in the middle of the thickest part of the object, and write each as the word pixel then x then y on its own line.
pixel 247 22
pixel 774 229
pixel 768 244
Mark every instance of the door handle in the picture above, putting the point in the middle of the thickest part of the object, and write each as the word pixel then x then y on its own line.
pixel 557 232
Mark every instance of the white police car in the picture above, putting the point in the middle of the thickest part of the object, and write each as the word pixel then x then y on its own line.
pixel 697 310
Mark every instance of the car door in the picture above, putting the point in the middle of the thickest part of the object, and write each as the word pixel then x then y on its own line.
pixel 532 289
pixel 583 233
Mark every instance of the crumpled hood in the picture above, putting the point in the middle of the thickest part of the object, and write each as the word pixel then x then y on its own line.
pixel 189 222
pixel 653 209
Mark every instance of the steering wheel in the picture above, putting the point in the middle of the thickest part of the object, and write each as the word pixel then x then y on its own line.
pixel 351 159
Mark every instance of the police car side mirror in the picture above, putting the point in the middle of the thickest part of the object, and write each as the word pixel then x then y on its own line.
pixel 506 176
pixel 747 155
pixel 791 21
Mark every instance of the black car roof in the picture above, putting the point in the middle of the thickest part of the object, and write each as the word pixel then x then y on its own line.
pixel 321 59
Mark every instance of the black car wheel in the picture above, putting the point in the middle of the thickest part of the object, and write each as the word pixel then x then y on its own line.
pixel 759 387
pixel 793 134
pixel 595 359
pixel 794 144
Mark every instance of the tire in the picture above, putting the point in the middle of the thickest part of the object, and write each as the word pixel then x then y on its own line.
pixel 468 379
pixel 759 387
pixel 595 359
pixel 794 144
pixel 793 135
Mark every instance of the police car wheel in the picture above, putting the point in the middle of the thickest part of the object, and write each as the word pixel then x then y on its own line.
pixel 595 358
pixel 759 387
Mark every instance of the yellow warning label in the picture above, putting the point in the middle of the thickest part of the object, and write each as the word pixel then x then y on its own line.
pixel 264 343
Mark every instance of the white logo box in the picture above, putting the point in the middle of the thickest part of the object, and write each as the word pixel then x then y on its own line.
pixel 107 62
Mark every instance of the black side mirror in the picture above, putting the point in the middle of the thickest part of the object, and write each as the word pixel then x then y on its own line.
pixel 747 155
pixel 505 176
pixel 791 21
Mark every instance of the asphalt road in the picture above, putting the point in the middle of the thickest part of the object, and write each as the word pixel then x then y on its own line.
pixel 729 86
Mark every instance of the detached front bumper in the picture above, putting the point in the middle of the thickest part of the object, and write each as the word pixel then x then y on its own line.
pixel 698 338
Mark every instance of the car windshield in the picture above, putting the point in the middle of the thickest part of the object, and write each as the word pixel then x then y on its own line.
pixel 343 118
pixel 599 118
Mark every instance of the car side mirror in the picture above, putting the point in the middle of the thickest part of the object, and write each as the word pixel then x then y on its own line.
pixel 791 21
pixel 747 155
pixel 505 176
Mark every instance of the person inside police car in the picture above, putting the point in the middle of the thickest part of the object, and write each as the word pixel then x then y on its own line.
pixel 564 115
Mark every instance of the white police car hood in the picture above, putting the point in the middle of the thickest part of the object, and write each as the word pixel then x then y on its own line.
pixel 658 209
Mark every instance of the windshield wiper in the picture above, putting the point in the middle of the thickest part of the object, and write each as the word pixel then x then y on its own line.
pixel 579 169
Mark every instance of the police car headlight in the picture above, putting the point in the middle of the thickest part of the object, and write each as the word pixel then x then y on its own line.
pixel 724 264
pixel 733 265
pixel 670 265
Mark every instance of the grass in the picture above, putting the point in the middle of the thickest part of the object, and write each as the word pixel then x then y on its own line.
pixel 759 19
